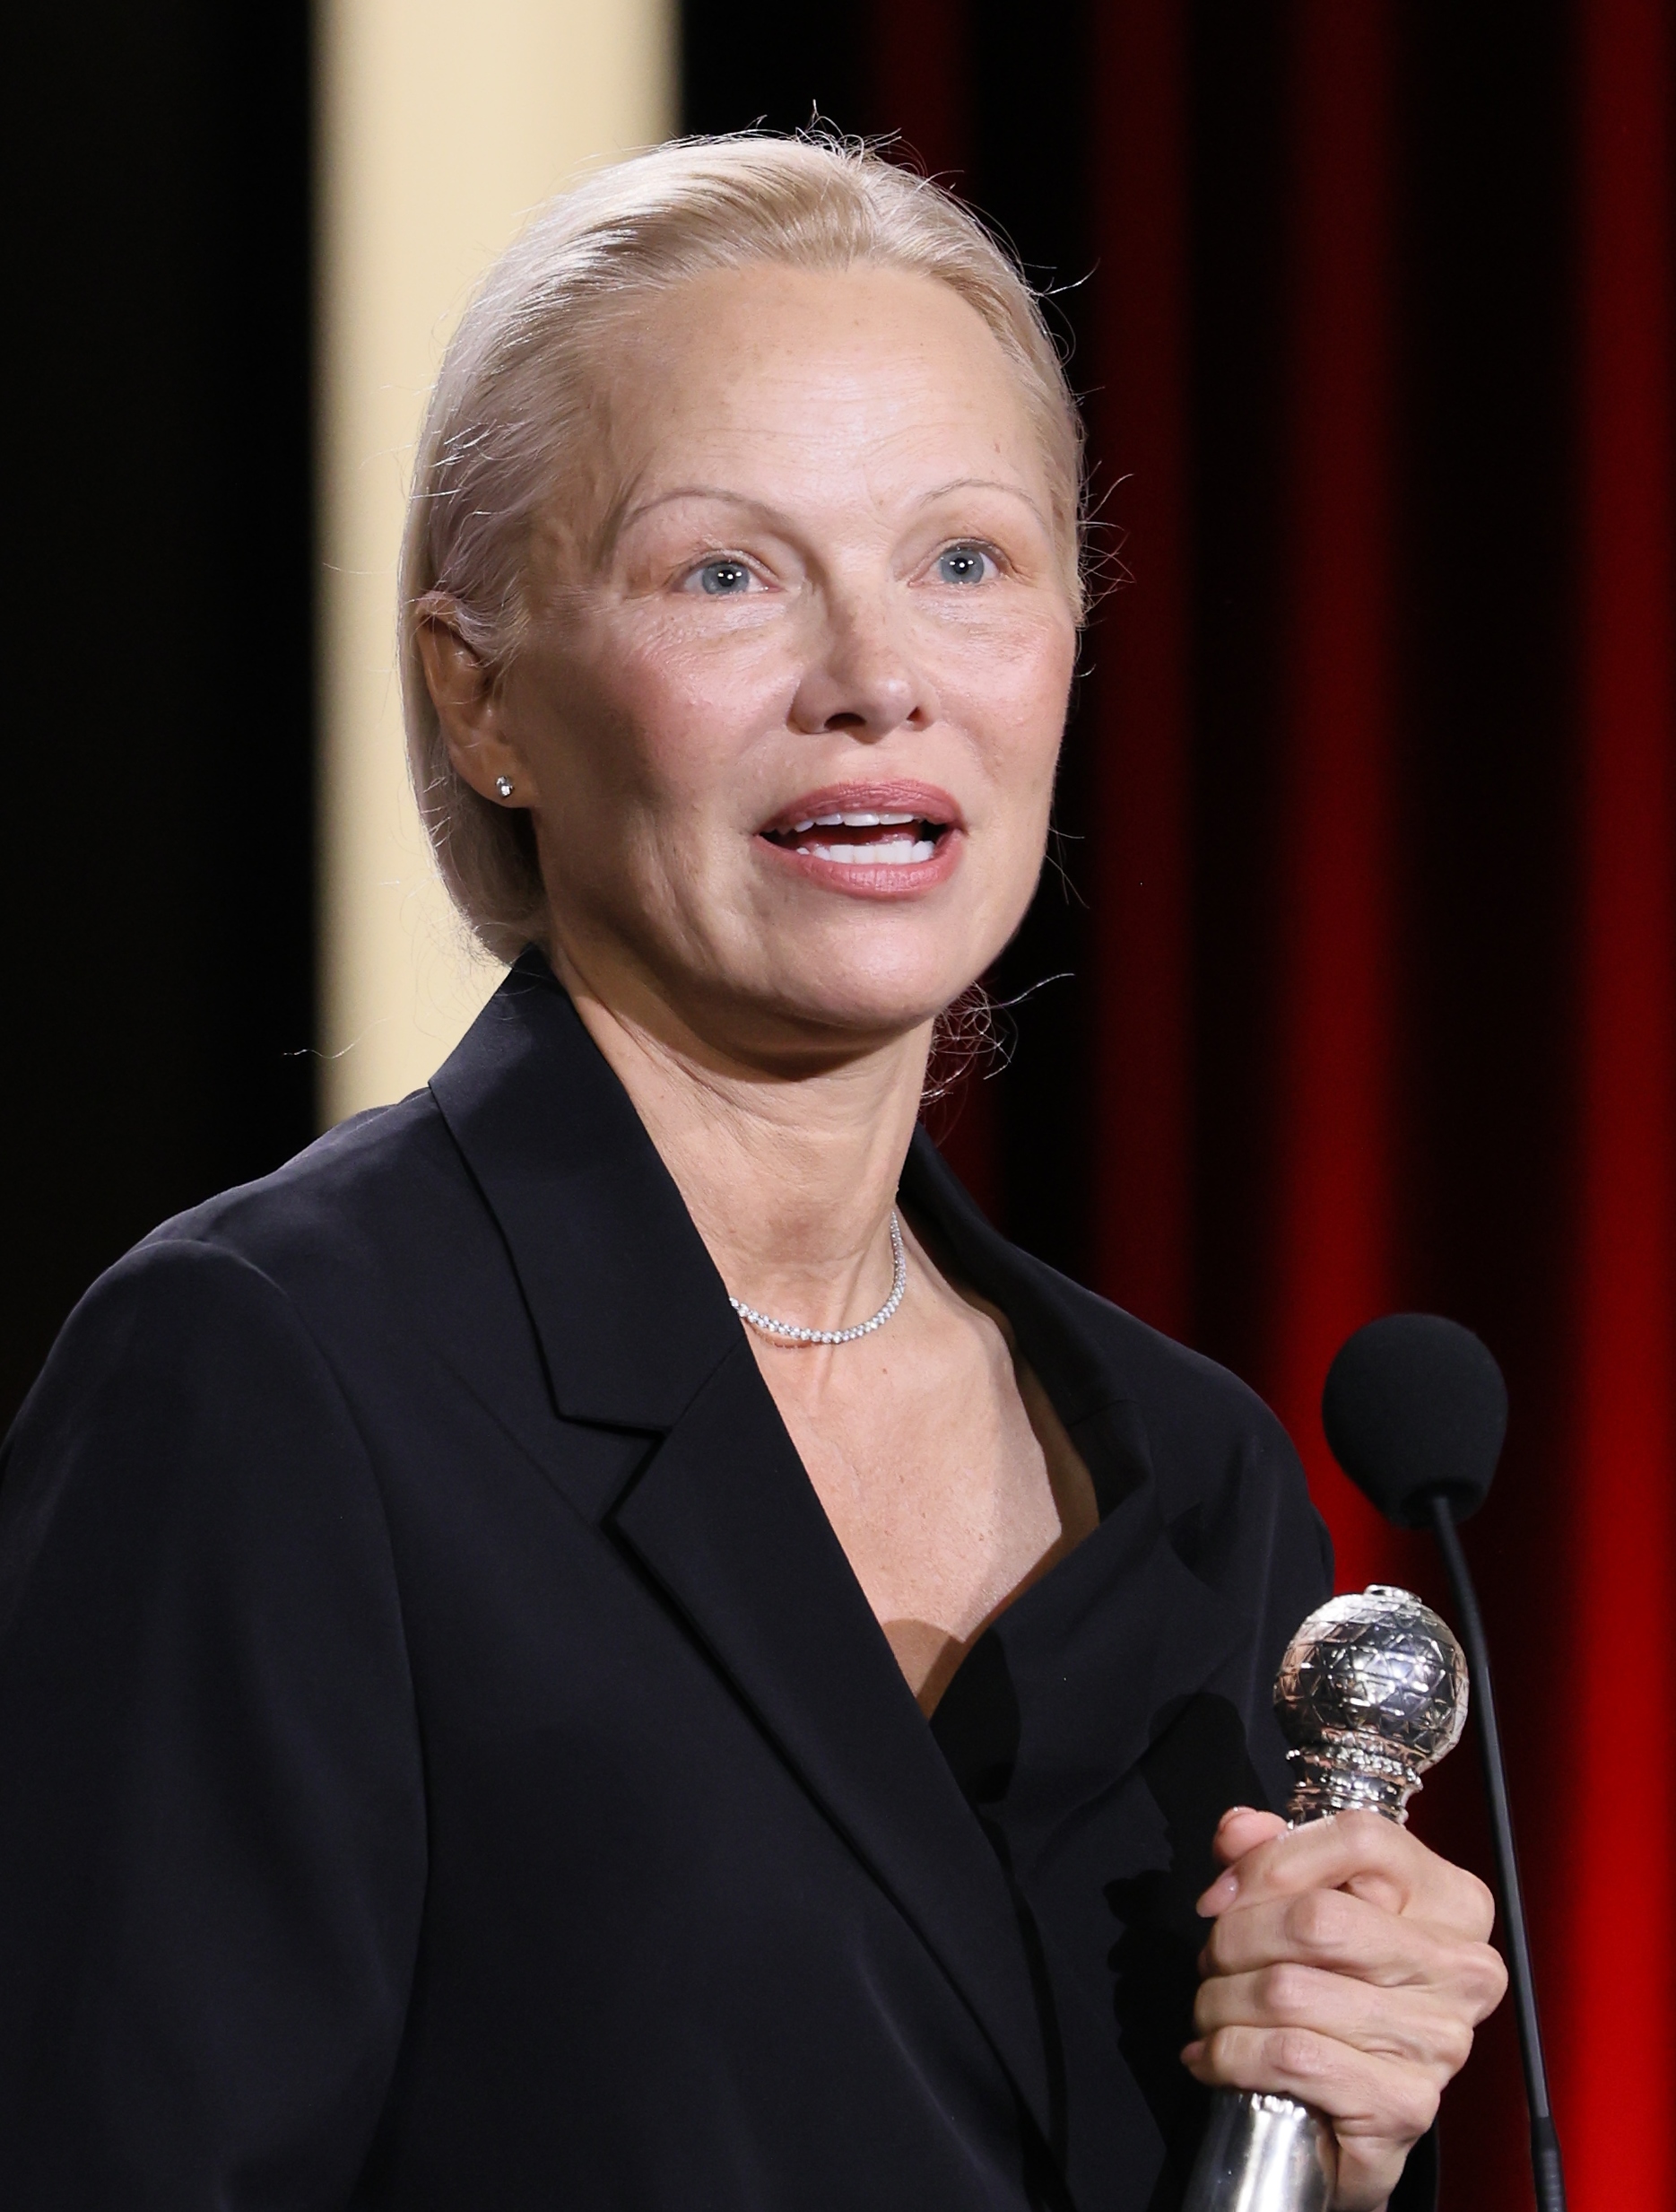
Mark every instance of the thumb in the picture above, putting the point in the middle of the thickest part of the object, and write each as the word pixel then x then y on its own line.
pixel 1241 1829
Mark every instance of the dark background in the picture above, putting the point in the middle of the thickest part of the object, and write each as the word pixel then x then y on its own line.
pixel 1161 171
pixel 160 894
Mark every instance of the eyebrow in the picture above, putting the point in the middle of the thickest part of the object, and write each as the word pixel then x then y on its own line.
pixel 983 483
pixel 623 520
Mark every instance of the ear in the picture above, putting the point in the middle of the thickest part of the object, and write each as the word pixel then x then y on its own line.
pixel 472 710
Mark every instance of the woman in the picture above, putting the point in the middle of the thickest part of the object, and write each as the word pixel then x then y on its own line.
pixel 600 1639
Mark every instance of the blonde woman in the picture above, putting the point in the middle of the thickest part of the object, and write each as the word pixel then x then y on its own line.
pixel 600 1640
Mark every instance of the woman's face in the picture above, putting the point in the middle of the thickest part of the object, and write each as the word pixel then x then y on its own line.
pixel 788 723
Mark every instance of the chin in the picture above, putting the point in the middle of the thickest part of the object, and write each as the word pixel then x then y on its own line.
pixel 887 979
pixel 866 1004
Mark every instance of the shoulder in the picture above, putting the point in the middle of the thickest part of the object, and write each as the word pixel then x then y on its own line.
pixel 364 1239
pixel 228 1329
pixel 186 1458
pixel 357 1183
pixel 185 1352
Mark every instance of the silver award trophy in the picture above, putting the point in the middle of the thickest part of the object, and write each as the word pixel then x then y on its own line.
pixel 1372 1691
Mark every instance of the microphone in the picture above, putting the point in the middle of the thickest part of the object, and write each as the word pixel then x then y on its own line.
pixel 1415 1410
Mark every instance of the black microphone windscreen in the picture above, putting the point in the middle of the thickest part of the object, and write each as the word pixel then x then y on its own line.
pixel 1415 1405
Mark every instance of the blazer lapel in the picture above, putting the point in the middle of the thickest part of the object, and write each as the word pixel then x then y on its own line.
pixel 723 1518
pixel 637 1335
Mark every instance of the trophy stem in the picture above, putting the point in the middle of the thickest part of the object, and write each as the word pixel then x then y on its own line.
pixel 1350 1771
pixel 1263 2153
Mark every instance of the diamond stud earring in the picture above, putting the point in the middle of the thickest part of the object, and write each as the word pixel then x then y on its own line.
pixel 503 784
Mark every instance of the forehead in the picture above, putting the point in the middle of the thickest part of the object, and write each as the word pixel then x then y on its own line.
pixel 766 375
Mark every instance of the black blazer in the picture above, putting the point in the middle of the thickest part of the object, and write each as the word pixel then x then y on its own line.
pixel 445 1760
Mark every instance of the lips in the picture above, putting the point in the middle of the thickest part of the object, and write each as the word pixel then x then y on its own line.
pixel 894 826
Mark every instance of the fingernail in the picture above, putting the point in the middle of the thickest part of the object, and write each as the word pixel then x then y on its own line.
pixel 1193 2053
pixel 1233 1813
pixel 1221 1894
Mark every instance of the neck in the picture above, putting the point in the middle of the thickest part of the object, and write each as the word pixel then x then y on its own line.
pixel 789 1176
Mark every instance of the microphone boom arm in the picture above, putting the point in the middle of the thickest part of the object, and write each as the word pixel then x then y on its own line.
pixel 1545 2165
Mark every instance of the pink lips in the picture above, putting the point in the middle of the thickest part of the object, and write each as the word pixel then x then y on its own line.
pixel 922 804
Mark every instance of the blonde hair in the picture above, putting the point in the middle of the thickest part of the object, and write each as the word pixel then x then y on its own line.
pixel 511 405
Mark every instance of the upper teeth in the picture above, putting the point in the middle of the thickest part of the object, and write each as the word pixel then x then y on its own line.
pixel 851 822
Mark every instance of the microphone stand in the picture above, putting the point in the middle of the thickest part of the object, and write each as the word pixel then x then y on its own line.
pixel 1551 2181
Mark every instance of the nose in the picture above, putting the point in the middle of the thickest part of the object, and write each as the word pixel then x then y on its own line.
pixel 858 677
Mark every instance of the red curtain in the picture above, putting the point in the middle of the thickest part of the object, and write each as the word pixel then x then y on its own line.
pixel 1616 1941
pixel 1374 776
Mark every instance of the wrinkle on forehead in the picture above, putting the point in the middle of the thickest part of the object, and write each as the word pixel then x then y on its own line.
pixel 650 430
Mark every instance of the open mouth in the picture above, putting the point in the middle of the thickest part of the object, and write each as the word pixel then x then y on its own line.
pixel 863 837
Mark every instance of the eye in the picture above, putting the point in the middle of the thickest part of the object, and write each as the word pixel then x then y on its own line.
pixel 723 577
pixel 964 564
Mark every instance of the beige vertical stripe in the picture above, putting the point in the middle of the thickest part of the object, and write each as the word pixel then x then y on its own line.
pixel 440 126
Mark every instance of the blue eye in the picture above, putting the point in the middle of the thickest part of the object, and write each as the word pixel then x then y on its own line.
pixel 963 564
pixel 724 579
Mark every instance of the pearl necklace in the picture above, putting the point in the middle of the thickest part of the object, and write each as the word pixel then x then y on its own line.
pixel 788 1332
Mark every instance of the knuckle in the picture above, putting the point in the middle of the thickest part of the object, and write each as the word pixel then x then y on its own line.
pixel 1485 1978
pixel 1414 2106
pixel 1284 1990
pixel 1319 1919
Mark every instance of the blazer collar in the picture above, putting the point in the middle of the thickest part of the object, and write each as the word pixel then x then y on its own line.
pixel 625 1301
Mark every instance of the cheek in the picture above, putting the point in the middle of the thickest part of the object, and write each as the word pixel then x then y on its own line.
pixel 685 711
pixel 1013 702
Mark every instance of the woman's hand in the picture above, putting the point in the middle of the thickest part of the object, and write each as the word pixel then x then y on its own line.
pixel 1347 1967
